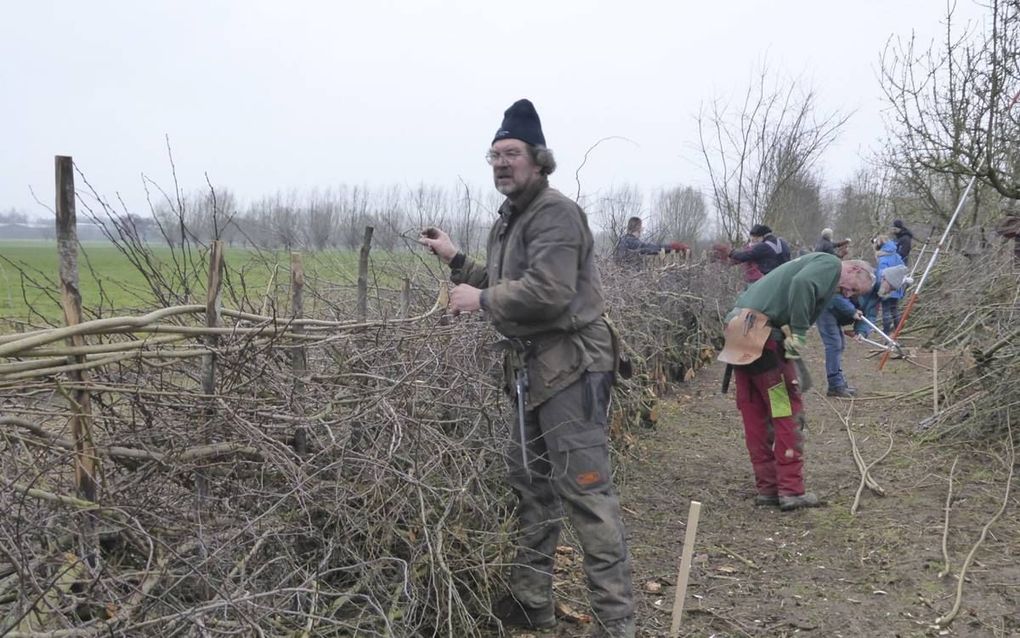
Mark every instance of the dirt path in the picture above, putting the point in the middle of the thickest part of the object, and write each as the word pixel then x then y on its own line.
pixel 819 572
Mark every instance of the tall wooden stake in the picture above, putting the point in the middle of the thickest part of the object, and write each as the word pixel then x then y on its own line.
pixel 366 246
pixel 86 463
pixel 298 363
pixel 405 297
pixel 212 320
pixel 685 568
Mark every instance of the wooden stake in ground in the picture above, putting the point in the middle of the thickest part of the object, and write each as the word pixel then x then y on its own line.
pixel 298 362
pixel 685 568
pixel 86 461
pixel 366 246
pixel 935 381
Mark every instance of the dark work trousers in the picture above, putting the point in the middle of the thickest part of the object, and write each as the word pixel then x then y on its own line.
pixel 568 465
pixel 776 444
pixel 890 315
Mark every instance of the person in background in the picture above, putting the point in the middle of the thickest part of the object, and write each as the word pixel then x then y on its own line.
pixel 768 393
pixel 824 243
pixel 763 253
pixel 541 289
pixel 629 248
pixel 840 312
pixel 886 256
pixel 904 239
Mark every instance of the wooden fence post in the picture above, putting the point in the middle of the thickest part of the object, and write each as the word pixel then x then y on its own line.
pixel 405 297
pixel 212 320
pixel 85 462
pixel 298 363
pixel 366 246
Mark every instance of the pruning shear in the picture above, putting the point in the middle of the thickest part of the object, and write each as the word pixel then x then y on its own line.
pixel 891 344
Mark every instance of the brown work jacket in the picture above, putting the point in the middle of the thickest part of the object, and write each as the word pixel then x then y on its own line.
pixel 541 285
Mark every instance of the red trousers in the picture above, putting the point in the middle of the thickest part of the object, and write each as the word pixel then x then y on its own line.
pixel 775 443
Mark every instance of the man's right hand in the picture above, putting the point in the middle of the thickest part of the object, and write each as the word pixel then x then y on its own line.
pixel 439 243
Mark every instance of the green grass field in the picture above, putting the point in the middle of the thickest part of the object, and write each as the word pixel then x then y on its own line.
pixel 110 283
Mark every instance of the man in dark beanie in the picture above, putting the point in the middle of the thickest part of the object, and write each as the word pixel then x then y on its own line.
pixel 904 239
pixel 540 288
pixel 765 252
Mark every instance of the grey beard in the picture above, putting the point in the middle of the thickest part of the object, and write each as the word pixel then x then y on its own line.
pixel 506 189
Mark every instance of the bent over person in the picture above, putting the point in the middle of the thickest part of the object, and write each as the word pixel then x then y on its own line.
pixel 768 393
pixel 541 290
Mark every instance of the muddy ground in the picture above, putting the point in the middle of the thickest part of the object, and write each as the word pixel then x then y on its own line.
pixel 819 572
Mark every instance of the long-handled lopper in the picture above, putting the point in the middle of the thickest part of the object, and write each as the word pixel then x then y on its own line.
pixel 892 344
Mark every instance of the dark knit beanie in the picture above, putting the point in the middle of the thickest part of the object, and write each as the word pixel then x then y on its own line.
pixel 760 230
pixel 897 223
pixel 520 122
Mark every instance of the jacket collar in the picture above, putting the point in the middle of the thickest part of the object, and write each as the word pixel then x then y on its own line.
pixel 512 207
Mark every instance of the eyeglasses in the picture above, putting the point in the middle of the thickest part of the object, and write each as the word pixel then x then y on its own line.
pixel 511 156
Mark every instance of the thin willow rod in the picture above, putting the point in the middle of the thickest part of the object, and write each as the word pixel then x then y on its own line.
pixel 100 348
pixel 945 526
pixel 15 344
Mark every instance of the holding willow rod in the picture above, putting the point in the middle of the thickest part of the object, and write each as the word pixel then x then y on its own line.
pixel 540 286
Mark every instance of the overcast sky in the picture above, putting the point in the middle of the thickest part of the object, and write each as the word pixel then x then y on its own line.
pixel 267 95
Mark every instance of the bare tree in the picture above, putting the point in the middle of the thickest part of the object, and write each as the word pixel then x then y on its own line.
pixel 321 214
pixel 796 208
pixel 752 151
pixel 953 114
pixel 682 213
pixel 614 208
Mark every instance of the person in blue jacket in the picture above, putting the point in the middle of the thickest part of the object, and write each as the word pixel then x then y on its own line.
pixel 887 256
pixel 893 279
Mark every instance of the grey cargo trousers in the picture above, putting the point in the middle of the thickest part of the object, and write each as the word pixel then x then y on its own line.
pixel 568 465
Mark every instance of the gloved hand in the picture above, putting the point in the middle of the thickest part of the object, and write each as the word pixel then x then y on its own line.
pixel 676 246
pixel 793 345
pixel 721 251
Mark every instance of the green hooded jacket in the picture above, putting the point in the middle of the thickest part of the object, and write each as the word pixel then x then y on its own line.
pixel 795 293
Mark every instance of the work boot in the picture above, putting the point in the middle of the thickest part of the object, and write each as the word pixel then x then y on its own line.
pixel 512 613
pixel 842 393
pixel 807 499
pixel 767 500
pixel 618 628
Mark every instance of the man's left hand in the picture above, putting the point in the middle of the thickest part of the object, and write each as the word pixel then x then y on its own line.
pixel 793 346
pixel 465 298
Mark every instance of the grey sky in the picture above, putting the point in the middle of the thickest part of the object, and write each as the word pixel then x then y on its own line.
pixel 267 95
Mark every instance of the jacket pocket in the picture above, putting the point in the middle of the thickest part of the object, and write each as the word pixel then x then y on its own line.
pixel 556 363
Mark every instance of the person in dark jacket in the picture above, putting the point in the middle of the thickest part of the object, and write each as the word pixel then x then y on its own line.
pixel 768 391
pixel 629 249
pixel 766 251
pixel 904 239
pixel 825 243
pixel 541 289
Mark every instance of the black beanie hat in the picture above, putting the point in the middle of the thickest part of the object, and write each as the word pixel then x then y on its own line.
pixel 760 230
pixel 897 223
pixel 520 122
